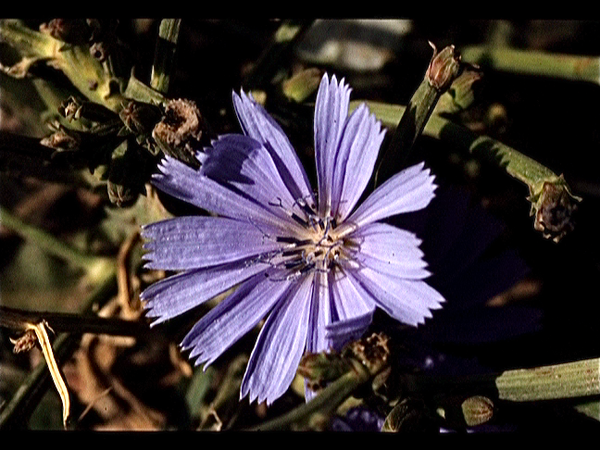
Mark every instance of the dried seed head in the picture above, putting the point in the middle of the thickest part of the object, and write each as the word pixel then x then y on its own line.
pixel 373 352
pixel 444 67
pixel 554 208
pixel 62 140
pixel 477 410
pixel 179 132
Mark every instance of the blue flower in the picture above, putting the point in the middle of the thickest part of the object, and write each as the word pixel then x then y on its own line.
pixel 316 267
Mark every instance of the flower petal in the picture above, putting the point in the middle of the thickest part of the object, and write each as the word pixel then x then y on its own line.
pixel 320 316
pixel 245 164
pixel 258 124
pixel 280 345
pixel 410 190
pixel 331 113
pixel 389 250
pixel 200 241
pixel 408 301
pixel 355 159
pixel 179 293
pixel 232 318
pixel 183 182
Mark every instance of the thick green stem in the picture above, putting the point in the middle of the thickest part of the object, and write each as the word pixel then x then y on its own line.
pixel 164 57
pixel 535 63
pixel 560 381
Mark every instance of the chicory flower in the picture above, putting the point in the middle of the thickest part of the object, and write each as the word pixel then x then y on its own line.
pixel 316 267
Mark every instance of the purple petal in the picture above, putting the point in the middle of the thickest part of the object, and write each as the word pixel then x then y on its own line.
pixel 320 316
pixel 258 124
pixel 408 301
pixel 331 113
pixel 232 318
pixel 389 250
pixel 280 345
pixel 355 159
pixel 246 165
pixel 353 308
pixel 179 293
pixel 183 182
pixel 200 241
pixel 344 331
pixel 410 190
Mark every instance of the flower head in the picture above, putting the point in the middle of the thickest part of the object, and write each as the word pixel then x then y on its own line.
pixel 316 267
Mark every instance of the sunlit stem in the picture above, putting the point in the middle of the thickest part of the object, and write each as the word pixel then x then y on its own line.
pixel 559 381
pixel 535 63
pixel 164 57
pixel 93 265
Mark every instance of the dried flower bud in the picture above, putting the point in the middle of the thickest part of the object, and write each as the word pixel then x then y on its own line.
pixel 140 118
pixel 62 140
pixel 24 343
pixel 178 133
pixel 373 352
pixel 444 68
pixel 70 31
pixel 477 410
pixel 554 208
pixel 321 368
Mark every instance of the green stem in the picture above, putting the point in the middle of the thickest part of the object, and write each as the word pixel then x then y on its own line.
pixel 559 381
pixel 323 404
pixel 443 69
pixel 164 57
pixel 552 203
pixel 51 244
pixel 532 62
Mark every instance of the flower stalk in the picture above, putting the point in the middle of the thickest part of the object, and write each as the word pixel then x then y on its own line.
pixel 443 69
pixel 95 266
pixel 552 203
pixel 536 63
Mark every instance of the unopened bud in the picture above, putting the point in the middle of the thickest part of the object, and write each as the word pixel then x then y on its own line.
pixel 477 410
pixel 444 67
pixel 554 208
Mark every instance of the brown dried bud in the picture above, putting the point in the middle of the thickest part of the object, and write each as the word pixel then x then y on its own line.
pixel 24 343
pixel 477 410
pixel 373 352
pixel 444 68
pixel 554 209
pixel 140 118
pixel 178 133
pixel 70 31
pixel 62 140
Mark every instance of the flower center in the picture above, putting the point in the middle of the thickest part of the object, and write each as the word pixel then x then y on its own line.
pixel 314 246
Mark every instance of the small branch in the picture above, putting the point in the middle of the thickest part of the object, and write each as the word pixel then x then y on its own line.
pixel 443 69
pixel 53 245
pixel 535 63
